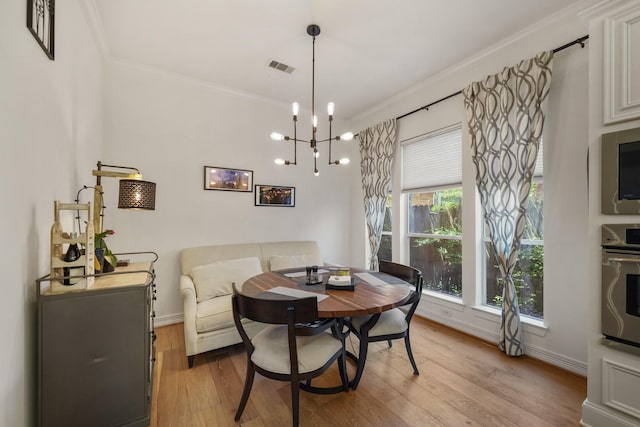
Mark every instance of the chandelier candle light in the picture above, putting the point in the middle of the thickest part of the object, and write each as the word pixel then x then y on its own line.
pixel 313 30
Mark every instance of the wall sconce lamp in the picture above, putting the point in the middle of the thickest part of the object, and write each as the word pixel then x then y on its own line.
pixel 134 192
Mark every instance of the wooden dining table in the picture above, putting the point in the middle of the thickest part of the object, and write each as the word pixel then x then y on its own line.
pixel 373 292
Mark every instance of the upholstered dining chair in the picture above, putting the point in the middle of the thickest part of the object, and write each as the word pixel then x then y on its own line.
pixel 295 347
pixel 391 324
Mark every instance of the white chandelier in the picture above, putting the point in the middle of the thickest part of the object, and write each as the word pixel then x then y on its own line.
pixel 313 30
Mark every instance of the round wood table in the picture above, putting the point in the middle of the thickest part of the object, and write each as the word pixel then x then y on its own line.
pixel 370 295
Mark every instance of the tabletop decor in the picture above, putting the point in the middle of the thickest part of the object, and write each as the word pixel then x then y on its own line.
pixel 134 193
pixel 274 195
pixel 40 14
pixel 67 273
pixel 105 260
pixel 216 178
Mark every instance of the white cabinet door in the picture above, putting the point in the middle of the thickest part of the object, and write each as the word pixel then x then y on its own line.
pixel 622 65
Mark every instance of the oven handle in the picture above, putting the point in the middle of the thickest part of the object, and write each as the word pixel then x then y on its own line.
pixel 632 260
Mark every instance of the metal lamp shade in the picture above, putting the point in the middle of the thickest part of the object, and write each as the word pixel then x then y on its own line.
pixel 137 194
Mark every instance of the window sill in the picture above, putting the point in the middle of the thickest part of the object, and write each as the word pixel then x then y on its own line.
pixel 454 303
pixel 529 324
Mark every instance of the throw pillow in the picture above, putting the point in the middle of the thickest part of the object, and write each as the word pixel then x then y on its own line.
pixel 215 279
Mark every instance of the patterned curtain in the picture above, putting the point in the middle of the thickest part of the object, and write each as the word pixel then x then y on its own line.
pixel 376 151
pixel 506 114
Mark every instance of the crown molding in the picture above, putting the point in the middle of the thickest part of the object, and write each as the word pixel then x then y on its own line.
pixel 605 7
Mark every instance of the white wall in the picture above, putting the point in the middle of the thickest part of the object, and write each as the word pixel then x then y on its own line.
pixel 170 128
pixel 562 339
pixel 51 135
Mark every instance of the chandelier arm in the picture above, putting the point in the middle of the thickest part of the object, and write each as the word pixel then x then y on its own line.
pixel 300 140
pixel 334 139
pixel 330 122
pixel 295 140
pixel 295 146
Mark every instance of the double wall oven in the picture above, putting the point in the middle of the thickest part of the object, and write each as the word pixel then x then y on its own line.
pixel 621 283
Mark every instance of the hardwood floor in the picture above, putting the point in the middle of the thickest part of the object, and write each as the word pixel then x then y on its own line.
pixel 463 381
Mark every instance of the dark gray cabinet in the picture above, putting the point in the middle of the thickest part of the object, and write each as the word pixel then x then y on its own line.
pixel 96 352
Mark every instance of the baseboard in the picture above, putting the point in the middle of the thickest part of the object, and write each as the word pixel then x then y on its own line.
pixel 596 415
pixel 168 320
pixel 544 355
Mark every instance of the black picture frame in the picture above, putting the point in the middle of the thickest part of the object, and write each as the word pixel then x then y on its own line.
pixel 41 23
pixel 275 195
pixel 228 179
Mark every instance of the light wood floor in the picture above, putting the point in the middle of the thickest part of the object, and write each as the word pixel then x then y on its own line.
pixel 463 381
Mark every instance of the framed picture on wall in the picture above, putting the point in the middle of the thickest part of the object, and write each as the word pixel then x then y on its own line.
pixel 274 195
pixel 216 178
pixel 41 23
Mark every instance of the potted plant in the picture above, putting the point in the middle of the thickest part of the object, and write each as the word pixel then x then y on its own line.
pixel 105 259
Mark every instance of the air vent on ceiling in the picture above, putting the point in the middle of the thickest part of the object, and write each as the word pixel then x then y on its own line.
pixel 282 67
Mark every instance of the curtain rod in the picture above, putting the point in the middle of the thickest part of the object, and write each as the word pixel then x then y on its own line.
pixel 580 41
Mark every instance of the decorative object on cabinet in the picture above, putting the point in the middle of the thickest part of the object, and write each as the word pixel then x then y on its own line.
pixel 96 349
pixel 621 71
pixel 60 277
pixel 313 30
pixel 216 178
pixel 106 261
pixel 273 195
pixel 134 193
pixel 40 21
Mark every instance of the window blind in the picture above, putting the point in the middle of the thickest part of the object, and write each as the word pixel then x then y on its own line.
pixel 434 160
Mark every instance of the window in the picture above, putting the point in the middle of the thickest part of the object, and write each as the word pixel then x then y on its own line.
pixel 529 271
pixel 385 252
pixel 435 238
pixel 432 177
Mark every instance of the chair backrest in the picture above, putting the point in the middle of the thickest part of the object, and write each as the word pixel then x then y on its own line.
pixel 290 312
pixel 404 272
pixel 275 311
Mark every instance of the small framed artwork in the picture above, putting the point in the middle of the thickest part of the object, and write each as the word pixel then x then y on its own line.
pixel 273 195
pixel 216 178
pixel 41 23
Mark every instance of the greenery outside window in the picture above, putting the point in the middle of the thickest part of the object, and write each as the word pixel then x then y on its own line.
pixel 435 238
pixel 529 271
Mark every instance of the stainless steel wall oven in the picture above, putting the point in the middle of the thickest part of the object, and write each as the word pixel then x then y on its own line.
pixel 621 283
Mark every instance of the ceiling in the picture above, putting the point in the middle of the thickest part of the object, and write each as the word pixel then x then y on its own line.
pixel 368 50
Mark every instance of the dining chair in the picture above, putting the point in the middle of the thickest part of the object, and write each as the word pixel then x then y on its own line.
pixel 391 324
pixel 295 347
